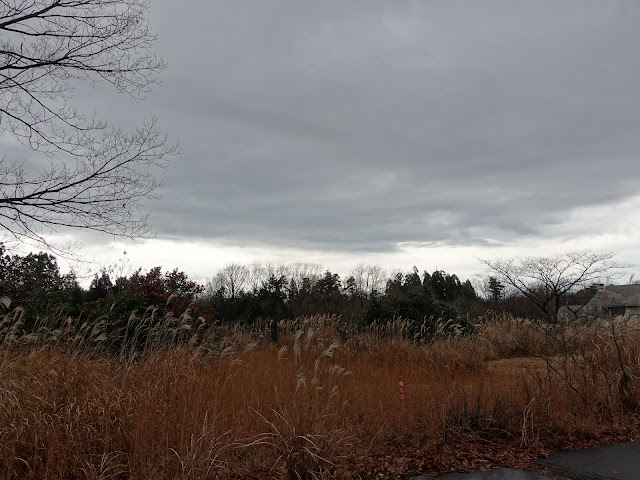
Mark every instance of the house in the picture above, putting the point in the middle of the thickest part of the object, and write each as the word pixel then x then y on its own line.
pixel 614 300
pixel 611 300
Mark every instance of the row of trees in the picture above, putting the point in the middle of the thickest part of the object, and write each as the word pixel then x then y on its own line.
pixel 246 292
pixel 236 293
pixel 531 287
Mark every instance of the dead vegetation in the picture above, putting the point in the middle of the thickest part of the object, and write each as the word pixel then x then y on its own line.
pixel 319 404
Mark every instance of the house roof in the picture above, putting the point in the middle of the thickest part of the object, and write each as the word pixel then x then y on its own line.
pixel 617 296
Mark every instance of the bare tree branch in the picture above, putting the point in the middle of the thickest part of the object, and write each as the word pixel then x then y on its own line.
pixel 545 281
pixel 96 176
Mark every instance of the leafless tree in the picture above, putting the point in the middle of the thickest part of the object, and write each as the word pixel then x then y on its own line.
pixel 276 270
pixel 230 280
pixel 257 276
pixel 545 281
pixel 299 271
pixel 81 172
pixel 368 279
pixel 258 273
pixel 236 277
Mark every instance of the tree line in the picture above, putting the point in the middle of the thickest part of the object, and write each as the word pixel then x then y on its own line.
pixel 244 293
pixel 236 293
pixel 367 294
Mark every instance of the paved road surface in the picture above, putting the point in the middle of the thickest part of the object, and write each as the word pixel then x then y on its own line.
pixel 497 474
pixel 615 462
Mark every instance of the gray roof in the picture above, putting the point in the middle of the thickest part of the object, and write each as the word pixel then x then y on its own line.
pixel 617 296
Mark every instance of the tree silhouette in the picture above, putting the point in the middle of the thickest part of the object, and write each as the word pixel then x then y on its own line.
pixel 546 281
pixel 82 172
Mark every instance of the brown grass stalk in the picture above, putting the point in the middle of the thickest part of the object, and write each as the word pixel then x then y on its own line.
pixel 317 405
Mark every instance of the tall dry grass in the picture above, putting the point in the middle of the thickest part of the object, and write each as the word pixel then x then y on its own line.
pixel 320 404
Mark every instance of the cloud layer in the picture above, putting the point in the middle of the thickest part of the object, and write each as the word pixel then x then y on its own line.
pixel 369 126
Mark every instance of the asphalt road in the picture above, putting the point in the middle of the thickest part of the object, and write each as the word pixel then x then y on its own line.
pixel 497 474
pixel 614 462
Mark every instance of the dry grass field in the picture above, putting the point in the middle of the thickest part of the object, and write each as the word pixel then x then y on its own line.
pixel 316 405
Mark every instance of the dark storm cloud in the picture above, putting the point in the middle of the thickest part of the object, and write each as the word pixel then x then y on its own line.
pixel 363 125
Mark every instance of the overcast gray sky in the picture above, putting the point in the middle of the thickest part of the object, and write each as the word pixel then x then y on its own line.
pixel 397 132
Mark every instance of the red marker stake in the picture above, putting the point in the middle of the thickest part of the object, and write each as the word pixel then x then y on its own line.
pixel 403 400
